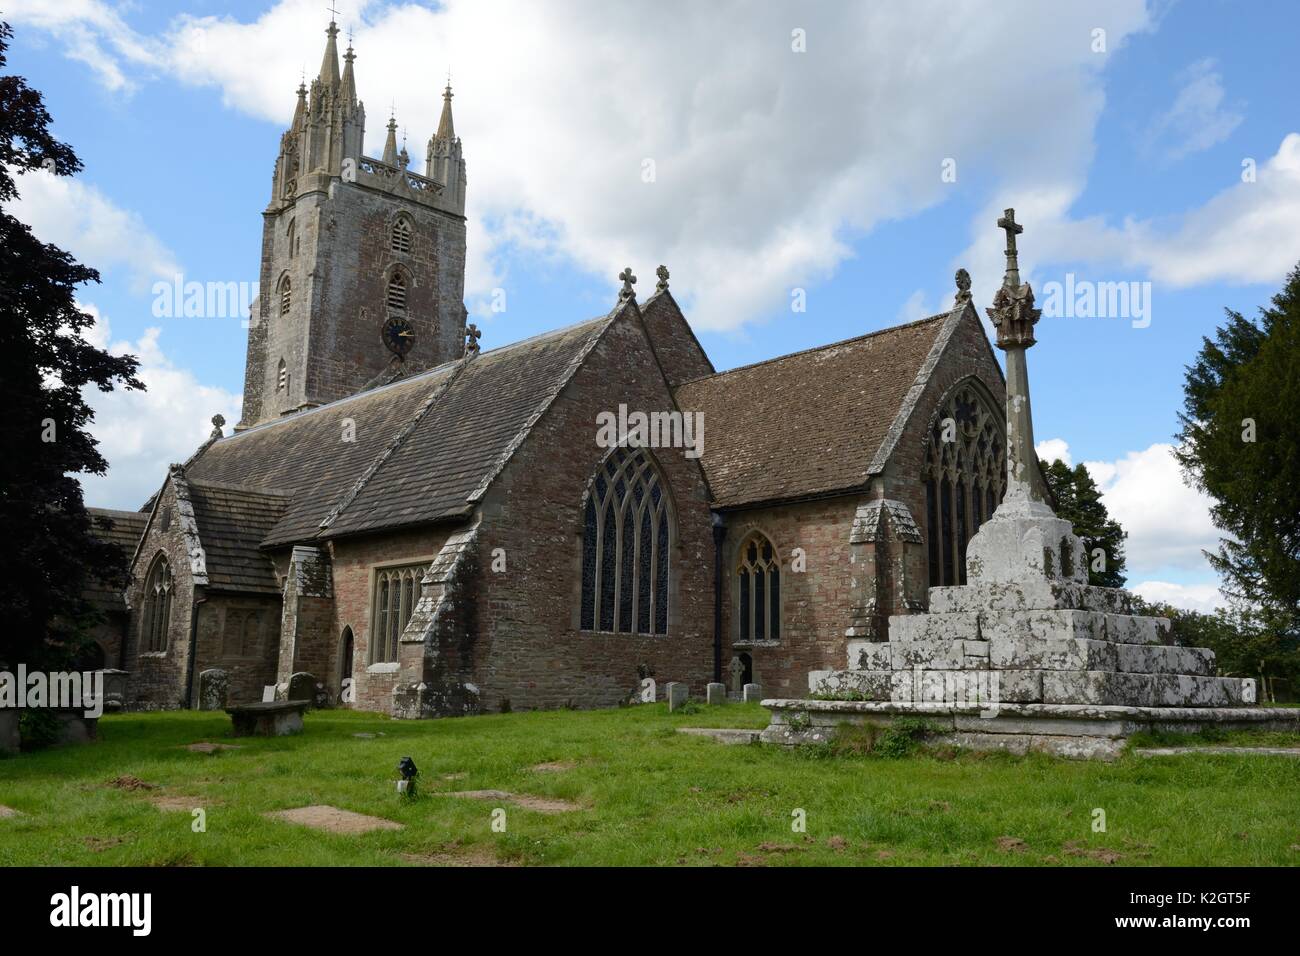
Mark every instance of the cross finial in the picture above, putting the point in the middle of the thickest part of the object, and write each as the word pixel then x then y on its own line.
pixel 334 14
pixel 662 284
pixel 962 279
pixel 472 335
pixel 1012 228
pixel 628 281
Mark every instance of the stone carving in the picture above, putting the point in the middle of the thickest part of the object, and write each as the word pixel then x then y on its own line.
pixel 628 281
pixel 218 423
pixel 963 288
pixel 737 671
pixel 662 284
pixel 472 335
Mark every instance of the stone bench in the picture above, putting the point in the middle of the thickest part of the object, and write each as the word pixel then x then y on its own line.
pixel 274 719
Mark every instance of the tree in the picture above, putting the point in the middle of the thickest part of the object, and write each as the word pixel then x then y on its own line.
pixel 1078 500
pixel 49 553
pixel 1240 444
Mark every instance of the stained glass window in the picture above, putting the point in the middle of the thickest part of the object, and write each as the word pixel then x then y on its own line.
pixel 625 547
pixel 157 606
pixel 964 475
pixel 758 590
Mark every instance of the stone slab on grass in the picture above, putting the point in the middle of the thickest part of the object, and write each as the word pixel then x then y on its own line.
pixel 523 800
pixel 1179 751
pixel 723 735
pixel 333 820
pixel 204 747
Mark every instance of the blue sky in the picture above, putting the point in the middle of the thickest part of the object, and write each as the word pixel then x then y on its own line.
pixel 818 169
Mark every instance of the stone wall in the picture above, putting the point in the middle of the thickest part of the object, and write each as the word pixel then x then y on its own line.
pixel 529 650
pixel 239 634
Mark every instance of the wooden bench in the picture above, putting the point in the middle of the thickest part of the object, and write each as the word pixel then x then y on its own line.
pixel 275 719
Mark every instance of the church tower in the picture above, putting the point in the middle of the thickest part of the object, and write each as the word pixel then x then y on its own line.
pixel 363 261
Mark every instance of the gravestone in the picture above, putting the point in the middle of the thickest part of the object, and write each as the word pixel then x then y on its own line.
pixel 302 686
pixel 715 694
pixel 268 694
pixel 753 692
pixel 214 684
pixel 114 688
pixel 647 693
pixel 678 694
pixel 737 671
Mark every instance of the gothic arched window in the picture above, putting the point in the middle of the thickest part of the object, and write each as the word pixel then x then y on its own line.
pixel 400 241
pixel 758 590
pixel 396 592
pixel 282 377
pixel 965 477
pixel 396 297
pixel 625 547
pixel 291 234
pixel 286 295
pixel 157 609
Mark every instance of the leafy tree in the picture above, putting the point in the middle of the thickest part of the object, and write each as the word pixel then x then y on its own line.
pixel 49 553
pixel 1240 444
pixel 1078 500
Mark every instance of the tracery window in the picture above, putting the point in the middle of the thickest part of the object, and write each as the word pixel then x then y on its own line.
pixel 625 547
pixel 157 610
pixel 964 473
pixel 396 591
pixel 758 589
pixel 397 292
pixel 286 295
pixel 400 241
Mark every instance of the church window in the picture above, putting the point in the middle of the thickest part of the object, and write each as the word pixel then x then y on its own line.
pixel 625 545
pixel 396 592
pixel 401 238
pixel 157 610
pixel 286 295
pixel 964 477
pixel 397 292
pixel 282 378
pixel 291 236
pixel 758 589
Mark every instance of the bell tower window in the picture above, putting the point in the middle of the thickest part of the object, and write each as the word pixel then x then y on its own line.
pixel 286 295
pixel 396 297
pixel 400 241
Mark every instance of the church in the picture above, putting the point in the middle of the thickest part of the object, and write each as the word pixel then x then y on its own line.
pixel 428 528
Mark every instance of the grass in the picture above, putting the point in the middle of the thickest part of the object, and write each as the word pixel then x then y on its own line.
pixel 651 796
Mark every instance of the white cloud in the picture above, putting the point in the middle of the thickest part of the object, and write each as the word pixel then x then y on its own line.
pixel 767 162
pixel 80 219
pixel 91 32
pixel 1051 449
pixel 141 433
pixel 1192 597
pixel 1198 118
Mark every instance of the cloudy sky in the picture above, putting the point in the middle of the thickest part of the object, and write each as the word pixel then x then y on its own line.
pixel 859 152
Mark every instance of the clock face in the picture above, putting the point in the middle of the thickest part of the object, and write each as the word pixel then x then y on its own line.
pixel 398 336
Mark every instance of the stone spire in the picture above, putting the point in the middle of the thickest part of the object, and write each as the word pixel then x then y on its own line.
pixel 349 79
pixel 446 129
pixel 329 66
pixel 300 111
pixel 390 144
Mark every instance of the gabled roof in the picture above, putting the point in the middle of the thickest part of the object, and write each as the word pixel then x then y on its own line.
pixel 811 423
pixel 232 521
pixel 417 451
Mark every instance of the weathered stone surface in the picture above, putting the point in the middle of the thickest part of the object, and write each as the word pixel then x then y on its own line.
pixel 302 686
pixel 1163 659
pixel 934 627
pixel 214 685
pixel 752 692
pixel 678 694
pixel 277 719
pixel 855 685
pixel 870 656
pixel 1134 629
pixel 1011 549
pixel 1031 595
pixel 715 694
pixel 1029 653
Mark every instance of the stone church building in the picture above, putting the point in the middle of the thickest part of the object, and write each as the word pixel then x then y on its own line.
pixel 429 529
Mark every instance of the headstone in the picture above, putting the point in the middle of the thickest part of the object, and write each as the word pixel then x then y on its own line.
pixel 647 695
pixel 268 694
pixel 114 688
pixel 753 692
pixel 737 671
pixel 214 684
pixel 302 686
pixel 678 694
pixel 715 694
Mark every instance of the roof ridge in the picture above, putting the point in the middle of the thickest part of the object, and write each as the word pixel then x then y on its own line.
pixel 820 348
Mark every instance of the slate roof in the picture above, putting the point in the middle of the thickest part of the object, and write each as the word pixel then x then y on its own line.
pixel 128 526
pixel 422 448
pixel 809 423
pixel 233 520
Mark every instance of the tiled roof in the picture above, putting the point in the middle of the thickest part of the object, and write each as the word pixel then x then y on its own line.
pixel 127 528
pixel 810 423
pixel 411 452
pixel 232 521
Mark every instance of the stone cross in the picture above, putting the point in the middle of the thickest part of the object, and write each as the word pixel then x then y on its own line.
pixel 737 669
pixel 628 281
pixel 472 335
pixel 662 284
pixel 962 279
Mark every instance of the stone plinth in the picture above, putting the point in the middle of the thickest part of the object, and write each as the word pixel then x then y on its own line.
pixel 276 719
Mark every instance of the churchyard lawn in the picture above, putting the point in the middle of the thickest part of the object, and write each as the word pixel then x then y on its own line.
pixel 622 787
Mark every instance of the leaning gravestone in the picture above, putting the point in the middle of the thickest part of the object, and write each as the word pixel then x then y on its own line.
pixel 678 694
pixel 214 685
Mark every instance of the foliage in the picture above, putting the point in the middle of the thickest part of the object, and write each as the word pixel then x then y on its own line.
pixel 1240 444
pixel 1078 500
pixel 46 364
